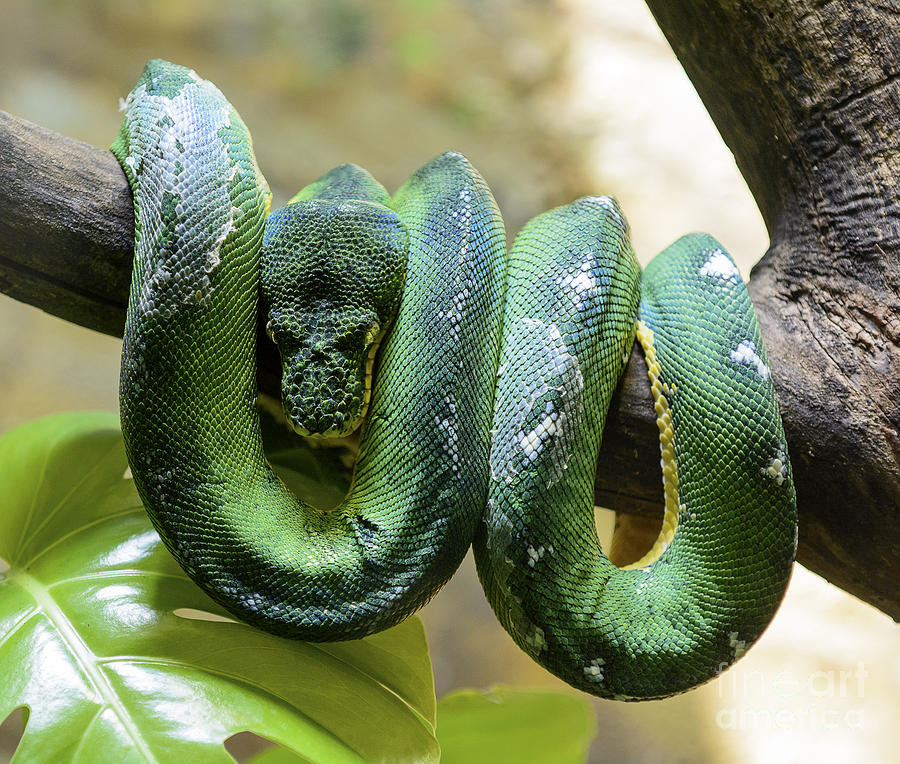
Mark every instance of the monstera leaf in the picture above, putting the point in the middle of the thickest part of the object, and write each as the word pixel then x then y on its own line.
pixel 502 724
pixel 98 646
pixel 510 724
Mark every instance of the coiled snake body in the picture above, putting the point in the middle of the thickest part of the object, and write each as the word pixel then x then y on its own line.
pixel 485 420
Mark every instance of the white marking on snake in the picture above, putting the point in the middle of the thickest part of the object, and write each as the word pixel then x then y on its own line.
pixel 577 285
pixel 533 442
pixel 534 555
pixel 449 425
pixel 551 389
pixel 593 671
pixel 745 354
pixel 719 265
pixel 738 646
pixel 462 216
pixel 776 469
pixel 459 299
pixel 183 138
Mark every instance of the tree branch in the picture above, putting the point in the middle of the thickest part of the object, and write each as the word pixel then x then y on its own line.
pixel 67 227
pixel 807 96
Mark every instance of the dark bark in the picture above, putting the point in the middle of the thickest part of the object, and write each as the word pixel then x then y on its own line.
pixel 66 228
pixel 807 96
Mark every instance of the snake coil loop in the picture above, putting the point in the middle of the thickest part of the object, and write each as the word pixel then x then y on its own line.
pixel 484 423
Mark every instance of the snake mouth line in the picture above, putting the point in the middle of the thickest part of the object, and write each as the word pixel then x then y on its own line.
pixel 660 391
pixel 370 369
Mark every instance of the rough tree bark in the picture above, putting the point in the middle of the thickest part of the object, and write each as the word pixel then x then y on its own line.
pixel 807 96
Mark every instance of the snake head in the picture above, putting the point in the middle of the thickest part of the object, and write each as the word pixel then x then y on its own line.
pixel 326 370
pixel 332 276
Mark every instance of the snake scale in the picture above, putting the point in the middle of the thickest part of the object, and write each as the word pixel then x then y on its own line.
pixel 484 423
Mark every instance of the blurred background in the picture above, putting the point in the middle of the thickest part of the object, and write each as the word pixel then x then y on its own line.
pixel 550 101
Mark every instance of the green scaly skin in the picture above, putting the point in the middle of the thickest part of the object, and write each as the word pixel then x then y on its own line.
pixel 332 268
pixel 430 459
pixel 678 621
pixel 188 383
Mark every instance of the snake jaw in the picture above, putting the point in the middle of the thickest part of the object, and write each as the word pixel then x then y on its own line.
pixel 332 271
pixel 323 402
pixel 326 370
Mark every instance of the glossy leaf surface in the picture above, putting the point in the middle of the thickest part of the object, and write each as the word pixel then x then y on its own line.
pixel 503 724
pixel 510 724
pixel 91 646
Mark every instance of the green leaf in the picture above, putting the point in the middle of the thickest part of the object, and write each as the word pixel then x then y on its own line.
pixel 91 646
pixel 277 756
pixel 509 724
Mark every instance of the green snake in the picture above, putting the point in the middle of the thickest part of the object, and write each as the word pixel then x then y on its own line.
pixel 484 423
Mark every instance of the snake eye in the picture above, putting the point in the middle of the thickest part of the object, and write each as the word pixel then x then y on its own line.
pixel 366 333
pixel 270 332
pixel 358 336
